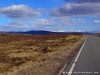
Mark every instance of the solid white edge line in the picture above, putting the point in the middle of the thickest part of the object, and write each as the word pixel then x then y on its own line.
pixel 73 65
pixel 80 51
pixel 71 69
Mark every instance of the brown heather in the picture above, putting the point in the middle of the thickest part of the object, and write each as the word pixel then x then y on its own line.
pixel 35 54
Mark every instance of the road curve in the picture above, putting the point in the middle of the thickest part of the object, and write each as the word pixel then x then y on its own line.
pixel 87 61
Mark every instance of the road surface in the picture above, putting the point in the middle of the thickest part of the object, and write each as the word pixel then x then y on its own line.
pixel 87 61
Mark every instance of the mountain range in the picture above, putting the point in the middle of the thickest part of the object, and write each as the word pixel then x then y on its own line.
pixel 42 32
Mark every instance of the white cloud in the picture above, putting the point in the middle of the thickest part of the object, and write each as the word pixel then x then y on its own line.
pixel 16 23
pixel 84 1
pixel 97 21
pixel 54 21
pixel 19 11
pixel 52 24
pixel 61 31
pixel 83 9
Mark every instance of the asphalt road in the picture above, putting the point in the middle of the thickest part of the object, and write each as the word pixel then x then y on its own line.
pixel 87 61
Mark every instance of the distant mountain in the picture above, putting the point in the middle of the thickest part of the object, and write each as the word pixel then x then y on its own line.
pixel 42 32
pixel 96 32
pixel 33 32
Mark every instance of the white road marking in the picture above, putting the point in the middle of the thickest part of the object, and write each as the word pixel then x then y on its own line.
pixel 73 65
pixel 71 69
pixel 80 51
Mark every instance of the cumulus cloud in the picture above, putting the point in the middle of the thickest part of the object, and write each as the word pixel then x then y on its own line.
pixel 97 21
pixel 16 27
pixel 19 11
pixel 84 1
pixel 42 23
pixel 61 31
pixel 8 28
pixel 84 9
pixel 16 23
pixel 57 21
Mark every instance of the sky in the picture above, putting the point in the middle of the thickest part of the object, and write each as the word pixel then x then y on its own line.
pixel 50 15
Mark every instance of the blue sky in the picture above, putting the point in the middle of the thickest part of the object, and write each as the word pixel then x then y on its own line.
pixel 51 15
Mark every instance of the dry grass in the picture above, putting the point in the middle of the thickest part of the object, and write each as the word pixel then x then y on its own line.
pixel 28 54
pixel 97 35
